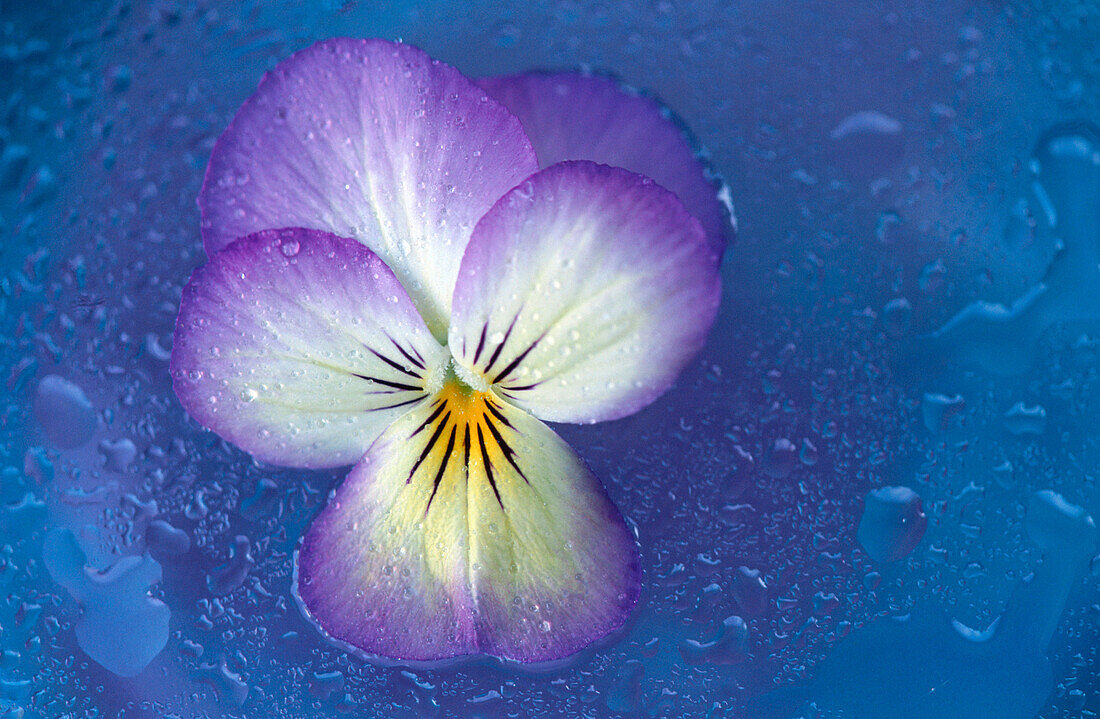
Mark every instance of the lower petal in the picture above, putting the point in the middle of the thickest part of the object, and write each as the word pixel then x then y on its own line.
pixel 469 527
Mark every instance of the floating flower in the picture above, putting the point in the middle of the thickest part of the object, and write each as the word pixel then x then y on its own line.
pixel 394 281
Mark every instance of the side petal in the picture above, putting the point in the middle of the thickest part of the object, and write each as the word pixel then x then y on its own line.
pixel 570 116
pixel 469 527
pixel 372 140
pixel 300 347
pixel 583 293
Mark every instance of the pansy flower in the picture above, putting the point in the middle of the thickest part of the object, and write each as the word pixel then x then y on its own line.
pixel 394 282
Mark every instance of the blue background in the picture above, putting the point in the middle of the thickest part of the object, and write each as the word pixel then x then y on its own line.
pixel 747 482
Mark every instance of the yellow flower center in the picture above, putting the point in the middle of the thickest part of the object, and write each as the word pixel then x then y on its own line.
pixel 465 403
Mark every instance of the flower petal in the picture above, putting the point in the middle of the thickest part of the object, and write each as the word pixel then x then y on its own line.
pixel 469 527
pixel 372 140
pixel 300 347
pixel 570 116
pixel 583 293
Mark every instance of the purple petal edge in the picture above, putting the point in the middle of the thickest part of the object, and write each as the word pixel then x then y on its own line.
pixel 574 116
pixel 371 140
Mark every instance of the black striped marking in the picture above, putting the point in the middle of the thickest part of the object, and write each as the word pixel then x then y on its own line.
pixel 469 425
pixel 415 384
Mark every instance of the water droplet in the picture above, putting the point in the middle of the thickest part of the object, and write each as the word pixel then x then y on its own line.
pixel 868 143
pixel 892 524
pixel 64 412
pixel 780 459
pixel 896 316
pixel 937 410
pixel 1022 419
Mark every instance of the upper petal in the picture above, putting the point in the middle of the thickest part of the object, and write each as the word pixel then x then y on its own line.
pixel 570 116
pixel 372 140
pixel 583 293
pixel 300 347
pixel 469 527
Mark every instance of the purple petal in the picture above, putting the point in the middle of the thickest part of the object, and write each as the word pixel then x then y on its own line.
pixel 372 140
pixel 583 293
pixel 469 527
pixel 569 116
pixel 299 347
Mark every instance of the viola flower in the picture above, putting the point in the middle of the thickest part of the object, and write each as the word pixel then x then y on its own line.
pixel 394 282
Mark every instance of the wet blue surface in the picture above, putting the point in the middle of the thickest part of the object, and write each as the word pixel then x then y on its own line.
pixel 870 496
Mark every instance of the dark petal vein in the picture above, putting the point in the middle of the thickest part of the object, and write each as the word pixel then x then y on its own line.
pixel 430 419
pixel 387 383
pixel 515 363
pixel 431 443
pixel 506 450
pixel 391 363
pixel 442 467
pixel 503 341
pixel 409 357
pixel 481 342
pixel 488 465
pixel 497 413
pixel 414 400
